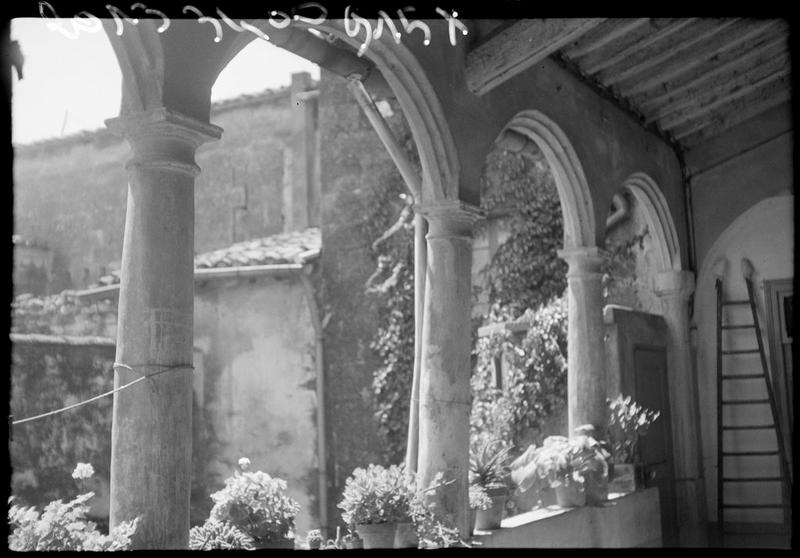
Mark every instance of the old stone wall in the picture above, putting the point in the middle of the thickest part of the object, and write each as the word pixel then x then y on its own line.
pixel 71 192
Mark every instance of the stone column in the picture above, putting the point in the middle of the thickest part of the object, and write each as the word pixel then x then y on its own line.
pixel 444 391
pixel 151 433
pixel 586 377
pixel 674 289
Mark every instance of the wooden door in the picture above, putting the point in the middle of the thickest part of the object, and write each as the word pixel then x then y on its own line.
pixel 651 391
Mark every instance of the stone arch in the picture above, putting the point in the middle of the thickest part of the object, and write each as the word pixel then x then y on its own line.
pixel 573 189
pixel 659 219
pixel 417 98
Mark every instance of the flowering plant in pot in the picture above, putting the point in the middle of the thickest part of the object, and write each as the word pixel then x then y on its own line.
pixel 566 465
pixel 375 500
pixel 489 469
pixel 256 504
pixel 628 422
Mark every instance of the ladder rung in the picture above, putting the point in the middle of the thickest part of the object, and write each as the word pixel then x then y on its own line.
pixel 748 453
pixel 753 479
pixel 740 352
pixel 732 302
pixel 749 326
pixel 741 376
pixel 754 506
pixel 746 402
pixel 750 427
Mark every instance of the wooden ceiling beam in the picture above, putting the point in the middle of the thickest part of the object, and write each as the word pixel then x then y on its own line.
pixel 681 44
pixel 681 69
pixel 603 60
pixel 719 63
pixel 602 35
pixel 735 109
pixel 519 47
pixel 722 85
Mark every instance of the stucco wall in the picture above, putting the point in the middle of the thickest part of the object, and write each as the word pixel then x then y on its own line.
pixel 765 235
pixel 736 170
pixel 257 343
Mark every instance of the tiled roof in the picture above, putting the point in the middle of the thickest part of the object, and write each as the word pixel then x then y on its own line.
pixel 284 248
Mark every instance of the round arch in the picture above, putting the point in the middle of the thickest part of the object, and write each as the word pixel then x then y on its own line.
pixel 573 189
pixel 659 220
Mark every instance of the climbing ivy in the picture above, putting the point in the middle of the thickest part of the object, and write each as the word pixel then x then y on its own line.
pixel 524 274
pixel 525 271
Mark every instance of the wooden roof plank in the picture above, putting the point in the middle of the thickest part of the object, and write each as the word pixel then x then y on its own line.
pixel 695 111
pixel 742 33
pixel 602 35
pixel 745 113
pixel 737 109
pixel 719 62
pixel 685 47
pixel 603 61
pixel 519 47
pixel 730 81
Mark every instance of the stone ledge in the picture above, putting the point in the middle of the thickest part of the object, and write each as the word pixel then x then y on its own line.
pixel 630 520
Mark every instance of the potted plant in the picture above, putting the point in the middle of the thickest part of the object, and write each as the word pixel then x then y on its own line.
pixel 256 504
pixel 479 500
pixel 563 464
pixel 627 423
pixel 375 500
pixel 488 469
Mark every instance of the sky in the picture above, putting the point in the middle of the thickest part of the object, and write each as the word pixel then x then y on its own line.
pixel 74 84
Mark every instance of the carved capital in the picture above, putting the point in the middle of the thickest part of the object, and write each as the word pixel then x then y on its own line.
pixel 164 139
pixel 452 218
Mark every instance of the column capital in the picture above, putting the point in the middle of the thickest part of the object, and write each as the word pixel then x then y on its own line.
pixel 674 283
pixel 450 217
pixel 584 261
pixel 163 138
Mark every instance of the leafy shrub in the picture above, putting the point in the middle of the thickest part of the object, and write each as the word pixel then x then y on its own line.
pixel 219 535
pixel 255 503
pixel 63 526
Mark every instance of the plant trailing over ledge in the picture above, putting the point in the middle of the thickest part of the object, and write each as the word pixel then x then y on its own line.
pixel 63 526
pixel 560 461
pixel 256 504
pixel 627 423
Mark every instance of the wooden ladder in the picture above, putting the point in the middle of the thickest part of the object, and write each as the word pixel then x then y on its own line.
pixel 724 358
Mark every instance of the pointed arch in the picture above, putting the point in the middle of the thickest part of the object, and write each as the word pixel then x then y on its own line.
pixel 659 219
pixel 573 189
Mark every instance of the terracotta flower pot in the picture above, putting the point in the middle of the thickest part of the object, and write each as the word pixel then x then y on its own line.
pixel 487 520
pixel 596 488
pixel 405 535
pixel 377 535
pixel 570 496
